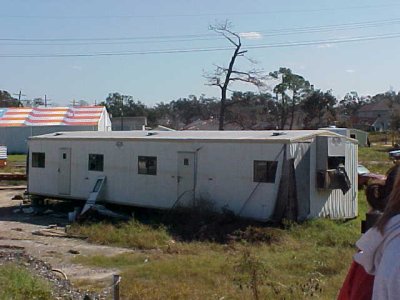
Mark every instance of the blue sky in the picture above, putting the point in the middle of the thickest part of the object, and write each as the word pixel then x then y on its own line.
pixel 48 27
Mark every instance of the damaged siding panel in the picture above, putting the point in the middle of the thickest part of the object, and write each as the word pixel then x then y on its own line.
pixel 301 153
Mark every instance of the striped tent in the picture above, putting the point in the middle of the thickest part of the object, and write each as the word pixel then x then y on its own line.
pixel 45 116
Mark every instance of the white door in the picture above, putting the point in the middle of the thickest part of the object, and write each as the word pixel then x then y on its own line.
pixel 64 171
pixel 186 177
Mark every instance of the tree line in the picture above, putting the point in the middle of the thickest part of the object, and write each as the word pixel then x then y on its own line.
pixel 283 108
pixel 292 103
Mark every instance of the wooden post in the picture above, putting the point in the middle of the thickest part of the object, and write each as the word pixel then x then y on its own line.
pixel 117 279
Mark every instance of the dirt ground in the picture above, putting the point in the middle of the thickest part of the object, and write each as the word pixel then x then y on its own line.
pixel 19 229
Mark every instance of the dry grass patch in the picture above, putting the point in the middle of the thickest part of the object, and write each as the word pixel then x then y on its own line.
pixel 130 234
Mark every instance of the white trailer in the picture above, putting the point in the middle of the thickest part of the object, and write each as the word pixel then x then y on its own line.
pixel 262 175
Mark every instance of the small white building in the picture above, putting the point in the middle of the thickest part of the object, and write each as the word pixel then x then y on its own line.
pixel 262 175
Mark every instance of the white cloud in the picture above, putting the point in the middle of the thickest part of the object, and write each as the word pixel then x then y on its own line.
pixel 327 45
pixel 350 71
pixel 252 35
pixel 75 67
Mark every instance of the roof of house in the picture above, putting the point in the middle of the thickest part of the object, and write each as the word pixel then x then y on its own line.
pixel 44 116
pixel 286 136
pixel 383 105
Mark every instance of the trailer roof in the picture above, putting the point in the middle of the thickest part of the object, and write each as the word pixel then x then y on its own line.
pixel 273 136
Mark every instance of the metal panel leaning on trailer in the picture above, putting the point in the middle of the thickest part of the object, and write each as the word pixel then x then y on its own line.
pixel 262 175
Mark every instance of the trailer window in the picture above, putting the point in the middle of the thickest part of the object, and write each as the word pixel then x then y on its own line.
pixel 38 159
pixel 264 171
pixel 335 161
pixel 96 162
pixel 147 165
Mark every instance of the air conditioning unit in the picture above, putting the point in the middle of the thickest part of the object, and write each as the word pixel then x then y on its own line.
pixel 327 179
pixel 332 179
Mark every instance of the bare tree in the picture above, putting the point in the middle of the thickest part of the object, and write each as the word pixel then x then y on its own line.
pixel 223 76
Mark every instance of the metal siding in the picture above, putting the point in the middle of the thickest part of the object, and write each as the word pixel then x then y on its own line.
pixel 344 206
pixel 3 152
pixel 15 138
pixel 224 173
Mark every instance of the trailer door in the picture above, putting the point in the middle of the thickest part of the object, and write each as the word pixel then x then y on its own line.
pixel 186 177
pixel 64 171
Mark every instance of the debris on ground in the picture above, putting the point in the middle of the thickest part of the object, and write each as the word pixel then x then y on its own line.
pixel 60 233
pixel 18 197
pixel 100 212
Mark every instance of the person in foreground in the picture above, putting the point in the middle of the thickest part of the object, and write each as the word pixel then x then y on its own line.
pixel 375 272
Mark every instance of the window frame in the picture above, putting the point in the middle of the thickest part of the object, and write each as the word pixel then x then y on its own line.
pixel 96 158
pixel 38 160
pixel 147 169
pixel 269 176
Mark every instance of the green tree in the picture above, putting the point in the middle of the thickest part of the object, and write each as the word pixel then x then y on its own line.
pixel 123 105
pixel 6 100
pixel 350 104
pixel 316 106
pixel 250 110
pixel 292 89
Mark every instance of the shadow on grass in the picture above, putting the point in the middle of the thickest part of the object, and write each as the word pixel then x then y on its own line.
pixel 202 222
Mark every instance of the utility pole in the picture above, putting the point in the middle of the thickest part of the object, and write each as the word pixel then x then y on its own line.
pixel 19 98
pixel 122 113
pixel 45 100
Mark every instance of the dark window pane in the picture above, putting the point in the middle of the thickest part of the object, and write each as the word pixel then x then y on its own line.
pixel 96 162
pixel 38 160
pixel 335 161
pixel 265 171
pixel 147 165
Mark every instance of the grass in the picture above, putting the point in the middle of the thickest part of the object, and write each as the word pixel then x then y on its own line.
pixel 375 158
pixel 296 262
pixel 15 164
pixel 309 259
pixel 17 283
pixel 131 234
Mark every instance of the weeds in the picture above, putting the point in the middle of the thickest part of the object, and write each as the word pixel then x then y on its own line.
pixel 17 283
pixel 250 273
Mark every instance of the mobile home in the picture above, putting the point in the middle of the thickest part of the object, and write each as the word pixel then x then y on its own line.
pixel 262 175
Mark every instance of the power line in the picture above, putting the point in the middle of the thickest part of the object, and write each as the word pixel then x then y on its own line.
pixel 199 37
pixel 285 11
pixel 192 50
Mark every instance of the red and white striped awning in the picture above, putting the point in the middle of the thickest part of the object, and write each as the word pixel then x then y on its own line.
pixel 44 116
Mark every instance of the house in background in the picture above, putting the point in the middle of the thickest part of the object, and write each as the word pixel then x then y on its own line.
pixel 375 116
pixel 18 124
